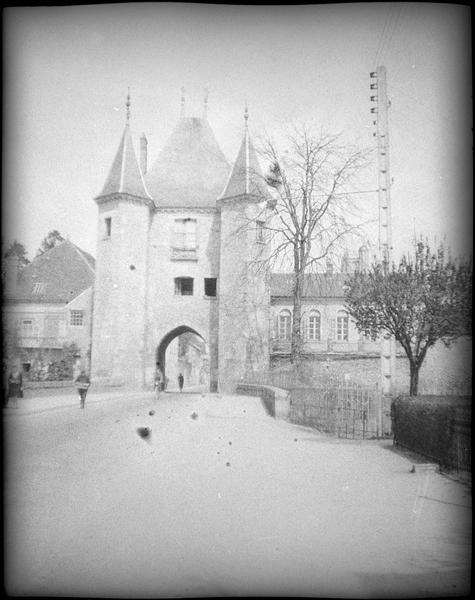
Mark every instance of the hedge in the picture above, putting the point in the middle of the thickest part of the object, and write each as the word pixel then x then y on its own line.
pixel 437 427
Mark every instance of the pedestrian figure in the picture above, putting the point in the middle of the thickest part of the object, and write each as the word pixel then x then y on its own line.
pixel 15 386
pixel 181 380
pixel 158 382
pixel 82 383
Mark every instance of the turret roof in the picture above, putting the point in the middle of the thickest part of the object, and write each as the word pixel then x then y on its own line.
pixel 246 176
pixel 125 176
pixel 191 169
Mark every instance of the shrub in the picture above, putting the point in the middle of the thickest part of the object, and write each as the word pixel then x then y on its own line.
pixel 427 425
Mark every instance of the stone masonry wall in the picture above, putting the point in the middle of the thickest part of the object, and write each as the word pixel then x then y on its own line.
pixel 166 310
pixel 444 371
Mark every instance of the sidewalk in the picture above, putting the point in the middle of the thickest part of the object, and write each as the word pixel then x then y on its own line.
pixel 221 500
pixel 67 399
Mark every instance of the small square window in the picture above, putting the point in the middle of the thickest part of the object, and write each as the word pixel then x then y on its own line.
pixel 184 286
pixel 76 318
pixel 210 286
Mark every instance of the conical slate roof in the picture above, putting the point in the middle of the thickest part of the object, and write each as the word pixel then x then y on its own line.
pixel 246 176
pixel 125 176
pixel 191 170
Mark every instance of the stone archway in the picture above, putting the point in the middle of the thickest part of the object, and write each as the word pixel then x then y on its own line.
pixel 161 350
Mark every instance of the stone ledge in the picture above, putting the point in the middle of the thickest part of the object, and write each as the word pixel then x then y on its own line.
pixel 276 400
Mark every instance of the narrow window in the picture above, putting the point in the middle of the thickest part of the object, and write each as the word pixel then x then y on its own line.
pixel 76 318
pixel 313 329
pixel 108 226
pixel 185 234
pixel 27 328
pixel 260 231
pixel 285 319
pixel 342 326
pixel 184 286
pixel 210 286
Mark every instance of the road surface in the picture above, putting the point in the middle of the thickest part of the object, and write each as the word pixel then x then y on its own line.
pixel 219 500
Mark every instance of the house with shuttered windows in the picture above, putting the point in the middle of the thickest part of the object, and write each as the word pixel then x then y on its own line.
pixel 47 304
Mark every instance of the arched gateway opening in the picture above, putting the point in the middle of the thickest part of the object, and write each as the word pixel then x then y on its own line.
pixel 184 350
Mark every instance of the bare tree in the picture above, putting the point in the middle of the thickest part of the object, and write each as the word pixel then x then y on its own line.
pixel 314 180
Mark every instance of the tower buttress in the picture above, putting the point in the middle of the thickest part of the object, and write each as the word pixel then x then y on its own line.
pixel 244 294
pixel 124 214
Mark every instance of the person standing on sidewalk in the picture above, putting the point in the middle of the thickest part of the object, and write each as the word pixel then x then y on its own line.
pixel 82 382
pixel 15 386
pixel 181 380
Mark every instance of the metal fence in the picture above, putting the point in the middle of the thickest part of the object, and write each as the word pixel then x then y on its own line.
pixel 344 411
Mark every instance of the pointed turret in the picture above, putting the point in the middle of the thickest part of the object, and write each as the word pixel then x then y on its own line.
pixel 246 176
pixel 243 262
pixel 125 176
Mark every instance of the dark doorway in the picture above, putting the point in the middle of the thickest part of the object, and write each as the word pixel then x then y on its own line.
pixel 184 351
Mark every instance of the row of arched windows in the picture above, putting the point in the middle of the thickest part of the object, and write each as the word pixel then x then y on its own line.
pixel 312 325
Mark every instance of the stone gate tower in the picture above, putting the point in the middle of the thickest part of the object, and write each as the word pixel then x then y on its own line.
pixel 176 254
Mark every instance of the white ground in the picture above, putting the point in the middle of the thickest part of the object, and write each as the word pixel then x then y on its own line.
pixel 230 503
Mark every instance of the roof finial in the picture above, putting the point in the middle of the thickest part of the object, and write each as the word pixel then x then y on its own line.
pixel 205 104
pixel 182 113
pixel 127 106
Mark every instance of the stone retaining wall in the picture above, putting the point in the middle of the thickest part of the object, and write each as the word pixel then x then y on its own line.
pixel 275 400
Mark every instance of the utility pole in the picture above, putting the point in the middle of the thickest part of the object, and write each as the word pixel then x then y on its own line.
pixel 379 96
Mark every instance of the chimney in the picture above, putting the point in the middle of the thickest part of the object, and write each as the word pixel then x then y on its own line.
pixel 11 275
pixel 344 262
pixel 329 267
pixel 363 258
pixel 143 154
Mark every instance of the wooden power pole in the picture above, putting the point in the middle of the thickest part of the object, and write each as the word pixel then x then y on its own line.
pixel 379 96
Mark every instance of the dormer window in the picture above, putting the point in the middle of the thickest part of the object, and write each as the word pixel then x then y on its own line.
pixel 38 288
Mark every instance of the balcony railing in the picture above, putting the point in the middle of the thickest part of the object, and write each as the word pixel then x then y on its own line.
pixel 183 254
pixel 41 341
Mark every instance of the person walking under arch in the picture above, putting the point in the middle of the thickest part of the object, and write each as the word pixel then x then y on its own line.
pixel 181 381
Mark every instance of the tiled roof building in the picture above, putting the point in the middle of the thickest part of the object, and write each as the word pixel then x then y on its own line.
pixel 58 275
pixel 47 304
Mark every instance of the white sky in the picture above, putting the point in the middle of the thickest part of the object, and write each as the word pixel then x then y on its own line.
pixel 67 70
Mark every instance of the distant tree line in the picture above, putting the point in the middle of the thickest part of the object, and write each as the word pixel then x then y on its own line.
pixel 18 249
